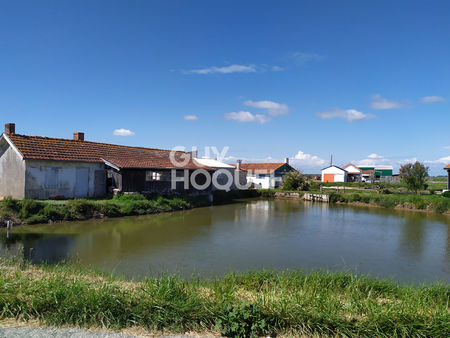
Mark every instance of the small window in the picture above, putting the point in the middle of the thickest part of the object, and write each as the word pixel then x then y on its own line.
pixel 153 176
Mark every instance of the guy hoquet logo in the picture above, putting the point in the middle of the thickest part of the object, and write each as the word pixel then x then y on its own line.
pixel 202 179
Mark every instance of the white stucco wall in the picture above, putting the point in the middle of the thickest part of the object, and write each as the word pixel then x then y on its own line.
pixel 264 182
pixel 41 184
pixel 352 169
pixel 340 175
pixel 12 172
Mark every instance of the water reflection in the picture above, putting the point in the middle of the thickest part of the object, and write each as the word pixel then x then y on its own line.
pixel 255 234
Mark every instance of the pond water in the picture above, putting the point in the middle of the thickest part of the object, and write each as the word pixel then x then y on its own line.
pixel 254 234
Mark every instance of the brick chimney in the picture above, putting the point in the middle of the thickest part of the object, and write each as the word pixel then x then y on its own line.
pixel 238 164
pixel 78 136
pixel 10 128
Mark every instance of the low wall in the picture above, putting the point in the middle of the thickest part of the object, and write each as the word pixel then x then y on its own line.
pixel 306 197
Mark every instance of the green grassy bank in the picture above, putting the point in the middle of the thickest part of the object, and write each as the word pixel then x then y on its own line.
pixel 433 203
pixel 251 304
pixel 33 211
pixel 385 198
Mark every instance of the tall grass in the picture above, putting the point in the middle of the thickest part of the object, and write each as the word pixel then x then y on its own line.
pixel 435 203
pixel 32 211
pixel 251 304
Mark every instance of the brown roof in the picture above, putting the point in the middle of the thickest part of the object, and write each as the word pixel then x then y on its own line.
pixel 447 167
pixel 54 149
pixel 351 164
pixel 369 172
pixel 262 167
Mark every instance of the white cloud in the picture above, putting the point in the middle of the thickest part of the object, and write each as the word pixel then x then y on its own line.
pixel 273 108
pixel 191 117
pixel 432 99
pixel 123 132
pixel 300 58
pixel 277 69
pixel 245 116
pixel 225 70
pixel 350 115
pixel 372 160
pixel 408 160
pixel 303 159
pixel 381 103
pixel 442 160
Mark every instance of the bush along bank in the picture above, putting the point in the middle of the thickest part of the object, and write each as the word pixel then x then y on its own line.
pixel 32 211
pixel 433 203
pixel 237 305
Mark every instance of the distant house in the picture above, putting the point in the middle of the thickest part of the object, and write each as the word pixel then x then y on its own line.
pixel 43 168
pixel 226 172
pixel 448 178
pixel 266 175
pixel 377 173
pixel 354 174
pixel 334 173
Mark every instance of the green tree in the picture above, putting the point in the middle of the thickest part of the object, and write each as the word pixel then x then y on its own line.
pixel 295 180
pixel 414 176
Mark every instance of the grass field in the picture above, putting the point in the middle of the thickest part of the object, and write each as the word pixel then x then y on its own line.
pixel 252 304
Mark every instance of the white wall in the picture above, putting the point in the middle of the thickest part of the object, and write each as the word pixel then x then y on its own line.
pixel 340 175
pixel 12 172
pixel 39 184
pixel 266 182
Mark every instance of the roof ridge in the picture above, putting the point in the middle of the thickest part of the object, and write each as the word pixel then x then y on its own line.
pixel 91 142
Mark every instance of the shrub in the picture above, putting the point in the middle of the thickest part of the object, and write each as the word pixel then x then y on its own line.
pixel 245 320
pixel 386 191
pixel 441 206
pixel 138 207
pixel 446 194
pixel 365 199
pixel 110 209
pixel 10 203
pixel 130 197
pixel 82 206
pixel 295 180
pixel 388 202
pixel 179 204
pixel 420 204
pixel 35 219
pixel 334 197
pixel 355 197
pixel 28 208
pixel 53 212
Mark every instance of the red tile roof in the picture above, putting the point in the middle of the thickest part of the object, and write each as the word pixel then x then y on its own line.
pixel 447 167
pixel 262 167
pixel 45 148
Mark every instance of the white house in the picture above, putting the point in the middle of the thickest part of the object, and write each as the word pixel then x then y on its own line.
pixel 266 175
pixel 354 174
pixel 334 173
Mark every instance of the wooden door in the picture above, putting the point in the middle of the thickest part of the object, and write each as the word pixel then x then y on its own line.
pixel 82 182
pixel 328 177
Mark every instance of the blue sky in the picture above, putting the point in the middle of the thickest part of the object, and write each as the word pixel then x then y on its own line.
pixel 366 81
